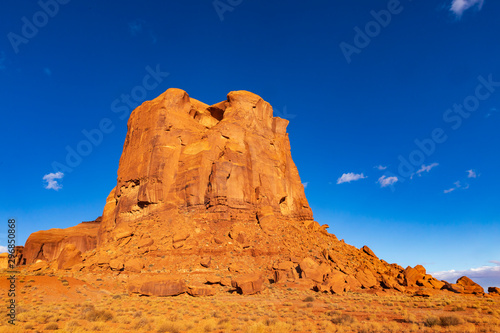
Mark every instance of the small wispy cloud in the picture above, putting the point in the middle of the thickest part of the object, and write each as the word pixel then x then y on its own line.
pixel 350 177
pixel 3 249
pixel 51 180
pixel 471 174
pixel 387 181
pixel 426 168
pixel 457 186
pixel 458 7
pixel 380 167
pixel 305 184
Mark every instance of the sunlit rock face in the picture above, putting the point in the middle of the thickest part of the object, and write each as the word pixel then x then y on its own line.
pixel 185 164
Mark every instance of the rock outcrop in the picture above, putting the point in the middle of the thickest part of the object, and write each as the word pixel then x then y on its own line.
pixel 210 195
pixel 49 244
pixel 183 160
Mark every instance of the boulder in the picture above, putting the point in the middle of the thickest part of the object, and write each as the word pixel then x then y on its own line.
pixel 312 270
pixel 116 264
pixel 470 287
pixel 159 288
pixel 494 291
pixel 206 261
pixel 368 251
pixel 201 291
pixel 69 257
pixel 134 265
pixel 285 271
pixel 412 275
pixel 366 278
pixel 248 284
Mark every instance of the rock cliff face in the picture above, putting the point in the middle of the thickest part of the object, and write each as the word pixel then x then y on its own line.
pixel 48 244
pixel 210 195
pixel 185 163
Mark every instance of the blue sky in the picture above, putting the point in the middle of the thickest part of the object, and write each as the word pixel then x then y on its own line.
pixel 393 109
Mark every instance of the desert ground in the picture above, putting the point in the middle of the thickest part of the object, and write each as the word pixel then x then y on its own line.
pixel 83 302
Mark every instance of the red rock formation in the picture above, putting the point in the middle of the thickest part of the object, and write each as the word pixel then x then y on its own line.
pixel 184 160
pixel 210 195
pixel 494 291
pixel 48 244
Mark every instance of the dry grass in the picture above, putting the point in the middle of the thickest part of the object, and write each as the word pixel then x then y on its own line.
pixel 276 310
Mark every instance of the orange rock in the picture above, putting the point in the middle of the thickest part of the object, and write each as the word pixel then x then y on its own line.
pixel 69 257
pixel 285 271
pixel 248 284
pixel 470 287
pixel 494 291
pixel 205 262
pixel 184 158
pixel 159 288
pixel 116 264
pixel 412 275
pixel 48 244
pixel 368 251
pixel 312 270
pixel 366 278
pixel 134 265
pixel 201 291
pixel 425 292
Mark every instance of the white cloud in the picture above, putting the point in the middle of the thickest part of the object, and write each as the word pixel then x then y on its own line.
pixel 52 183
pixel 457 186
pixel 386 181
pixel 380 167
pixel 3 249
pixel 305 184
pixel 484 275
pixel 458 7
pixel 349 177
pixel 471 174
pixel 426 168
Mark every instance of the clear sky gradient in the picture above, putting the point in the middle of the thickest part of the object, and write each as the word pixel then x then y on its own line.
pixel 393 109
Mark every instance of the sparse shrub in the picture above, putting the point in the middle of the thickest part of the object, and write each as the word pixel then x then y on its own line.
pixel 343 319
pixel 98 315
pixel 431 321
pixel 169 327
pixel 141 323
pixel 309 299
pixel 446 321
pixel 52 327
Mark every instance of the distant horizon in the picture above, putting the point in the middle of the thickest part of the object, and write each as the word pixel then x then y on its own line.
pixel 393 111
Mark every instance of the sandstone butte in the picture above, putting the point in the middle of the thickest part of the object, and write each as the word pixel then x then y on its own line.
pixel 209 194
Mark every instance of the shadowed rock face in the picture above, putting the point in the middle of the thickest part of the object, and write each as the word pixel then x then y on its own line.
pixel 48 244
pixel 184 160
